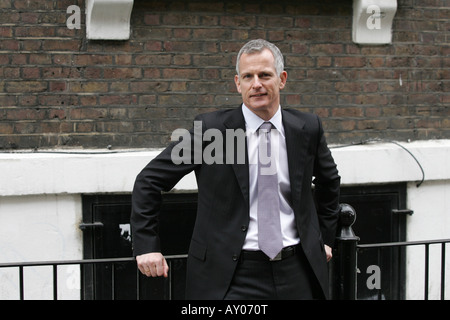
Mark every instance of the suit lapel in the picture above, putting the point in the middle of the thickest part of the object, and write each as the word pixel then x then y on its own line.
pixel 235 120
pixel 296 145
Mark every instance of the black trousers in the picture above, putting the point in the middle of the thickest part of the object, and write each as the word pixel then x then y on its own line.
pixel 287 279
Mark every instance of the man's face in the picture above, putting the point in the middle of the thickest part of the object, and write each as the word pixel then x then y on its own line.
pixel 259 84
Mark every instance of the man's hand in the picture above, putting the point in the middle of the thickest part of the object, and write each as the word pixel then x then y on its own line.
pixel 329 252
pixel 153 264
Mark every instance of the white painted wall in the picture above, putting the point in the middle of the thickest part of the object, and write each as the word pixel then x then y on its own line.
pixel 431 220
pixel 40 228
pixel 40 203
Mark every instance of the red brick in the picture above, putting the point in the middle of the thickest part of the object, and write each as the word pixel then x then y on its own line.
pixel 88 87
pixel 12 45
pixel 348 87
pixel 122 73
pixel 57 100
pixel 25 114
pixel 236 20
pixel 153 59
pixel 6 128
pixel 326 49
pixel 57 86
pixel 26 86
pixel 57 114
pixel 350 62
pixel 40 59
pixel 33 4
pixel 372 125
pixel 180 19
pixel 152 19
pixel 181 73
pixel 86 127
pixel 149 86
pixel 61 45
pixel 86 113
pixel 31 73
pixel 120 100
pixel 93 59
pixel 347 112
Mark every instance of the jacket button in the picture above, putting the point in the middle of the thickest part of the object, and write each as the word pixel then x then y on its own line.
pixel 235 258
pixel 244 228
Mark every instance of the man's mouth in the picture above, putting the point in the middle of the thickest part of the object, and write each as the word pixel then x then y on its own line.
pixel 257 95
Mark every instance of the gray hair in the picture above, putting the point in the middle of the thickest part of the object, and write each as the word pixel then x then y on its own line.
pixel 259 45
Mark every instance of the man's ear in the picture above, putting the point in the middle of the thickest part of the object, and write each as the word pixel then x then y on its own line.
pixel 283 77
pixel 238 83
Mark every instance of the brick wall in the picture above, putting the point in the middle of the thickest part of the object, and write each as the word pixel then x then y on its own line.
pixel 59 90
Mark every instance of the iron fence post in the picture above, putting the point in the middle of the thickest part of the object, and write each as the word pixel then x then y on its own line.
pixel 343 264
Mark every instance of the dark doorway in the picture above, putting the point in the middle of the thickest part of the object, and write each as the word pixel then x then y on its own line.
pixel 106 234
pixel 379 218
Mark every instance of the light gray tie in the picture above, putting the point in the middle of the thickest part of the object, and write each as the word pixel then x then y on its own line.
pixel 269 227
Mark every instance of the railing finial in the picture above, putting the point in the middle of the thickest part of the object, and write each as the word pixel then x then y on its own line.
pixel 347 218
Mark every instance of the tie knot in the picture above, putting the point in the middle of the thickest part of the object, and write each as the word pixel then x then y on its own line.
pixel 266 126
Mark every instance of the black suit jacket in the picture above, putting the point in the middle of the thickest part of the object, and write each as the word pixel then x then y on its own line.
pixel 223 202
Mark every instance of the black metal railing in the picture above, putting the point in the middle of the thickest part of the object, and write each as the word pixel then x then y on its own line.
pixel 111 262
pixel 426 244
pixel 343 268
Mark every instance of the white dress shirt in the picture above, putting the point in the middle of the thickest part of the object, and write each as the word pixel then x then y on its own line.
pixel 287 218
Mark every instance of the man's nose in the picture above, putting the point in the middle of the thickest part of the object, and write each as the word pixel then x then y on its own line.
pixel 256 82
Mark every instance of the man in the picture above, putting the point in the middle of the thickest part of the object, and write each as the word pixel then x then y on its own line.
pixel 228 256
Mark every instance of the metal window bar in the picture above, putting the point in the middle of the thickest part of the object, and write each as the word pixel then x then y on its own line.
pixel 21 282
pixel 427 269
pixel 55 282
pixel 426 244
pixel 138 285
pixel 82 264
pixel 443 272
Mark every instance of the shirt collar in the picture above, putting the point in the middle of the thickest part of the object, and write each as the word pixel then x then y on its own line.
pixel 253 122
